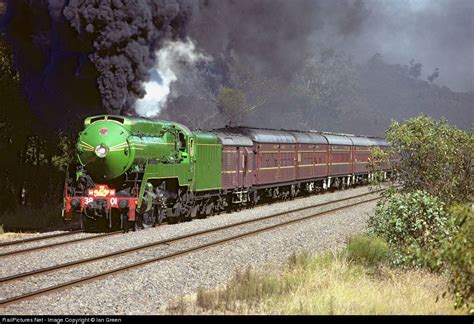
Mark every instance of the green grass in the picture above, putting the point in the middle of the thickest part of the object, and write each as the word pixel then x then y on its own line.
pixel 367 250
pixel 356 280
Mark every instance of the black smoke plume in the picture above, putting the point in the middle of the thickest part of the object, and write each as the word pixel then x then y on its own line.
pixel 89 56
pixel 122 37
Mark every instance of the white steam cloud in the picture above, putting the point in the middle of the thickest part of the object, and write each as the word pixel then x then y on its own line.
pixel 171 57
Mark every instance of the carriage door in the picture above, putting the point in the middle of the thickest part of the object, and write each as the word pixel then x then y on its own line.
pixel 244 164
pixel 240 166
pixel 249 167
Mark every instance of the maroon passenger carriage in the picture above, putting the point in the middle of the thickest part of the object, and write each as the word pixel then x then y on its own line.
pixel 258 163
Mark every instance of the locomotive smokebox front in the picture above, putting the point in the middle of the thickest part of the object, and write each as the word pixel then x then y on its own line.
pixel 103 148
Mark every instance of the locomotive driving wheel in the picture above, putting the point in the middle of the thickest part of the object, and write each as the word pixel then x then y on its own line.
pixel 147 219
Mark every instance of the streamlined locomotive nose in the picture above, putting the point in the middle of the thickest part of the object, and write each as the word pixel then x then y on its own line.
pixel 104 149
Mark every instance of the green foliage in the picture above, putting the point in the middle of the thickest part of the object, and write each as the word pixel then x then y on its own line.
pixel 435 172
pixel 378 160
pixel 435 157
pixel 64 151
pixel 368 249
pixel 457 252
pixel 412 224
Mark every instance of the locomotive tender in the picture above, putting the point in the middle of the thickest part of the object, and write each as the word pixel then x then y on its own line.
pixel 133 169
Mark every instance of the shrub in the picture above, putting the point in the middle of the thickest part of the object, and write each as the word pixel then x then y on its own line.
pixel 379 160
pixel 456 253
pixel 368 250
pixel 435 157
pixel 412 224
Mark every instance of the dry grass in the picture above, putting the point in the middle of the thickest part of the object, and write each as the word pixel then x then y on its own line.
pixel 340 287
pixel 326 284
pixel 9 236
pixel 5 235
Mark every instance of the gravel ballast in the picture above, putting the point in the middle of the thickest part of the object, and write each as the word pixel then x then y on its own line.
pixel 145 290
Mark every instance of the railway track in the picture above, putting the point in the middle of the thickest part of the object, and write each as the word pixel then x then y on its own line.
pixel 77 240
pixel 55 244
pixel 179 253
pixel 45 237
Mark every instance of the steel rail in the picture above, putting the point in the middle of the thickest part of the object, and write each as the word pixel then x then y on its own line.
pixel 94 277
pixel 42 247
pixel 45 237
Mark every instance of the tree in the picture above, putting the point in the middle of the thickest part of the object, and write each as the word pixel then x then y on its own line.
pixel 435 157
pixel 34 158
pixel 233 105
pixel 15 126
pixel 415 69
pixel 433 76
pixel 327 81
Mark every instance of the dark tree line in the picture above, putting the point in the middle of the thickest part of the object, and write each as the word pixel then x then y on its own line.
pixel 32 157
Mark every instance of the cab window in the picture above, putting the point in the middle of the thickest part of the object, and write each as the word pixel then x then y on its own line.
pixel 181 142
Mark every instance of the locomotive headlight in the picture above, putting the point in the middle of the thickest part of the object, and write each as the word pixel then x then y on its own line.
pixel 101 151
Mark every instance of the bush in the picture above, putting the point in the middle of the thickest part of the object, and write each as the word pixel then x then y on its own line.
pixel 456 252
pixel 368 250
pixel 435 157
pixel 379 159
pixel 435 173
pixel 412 224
